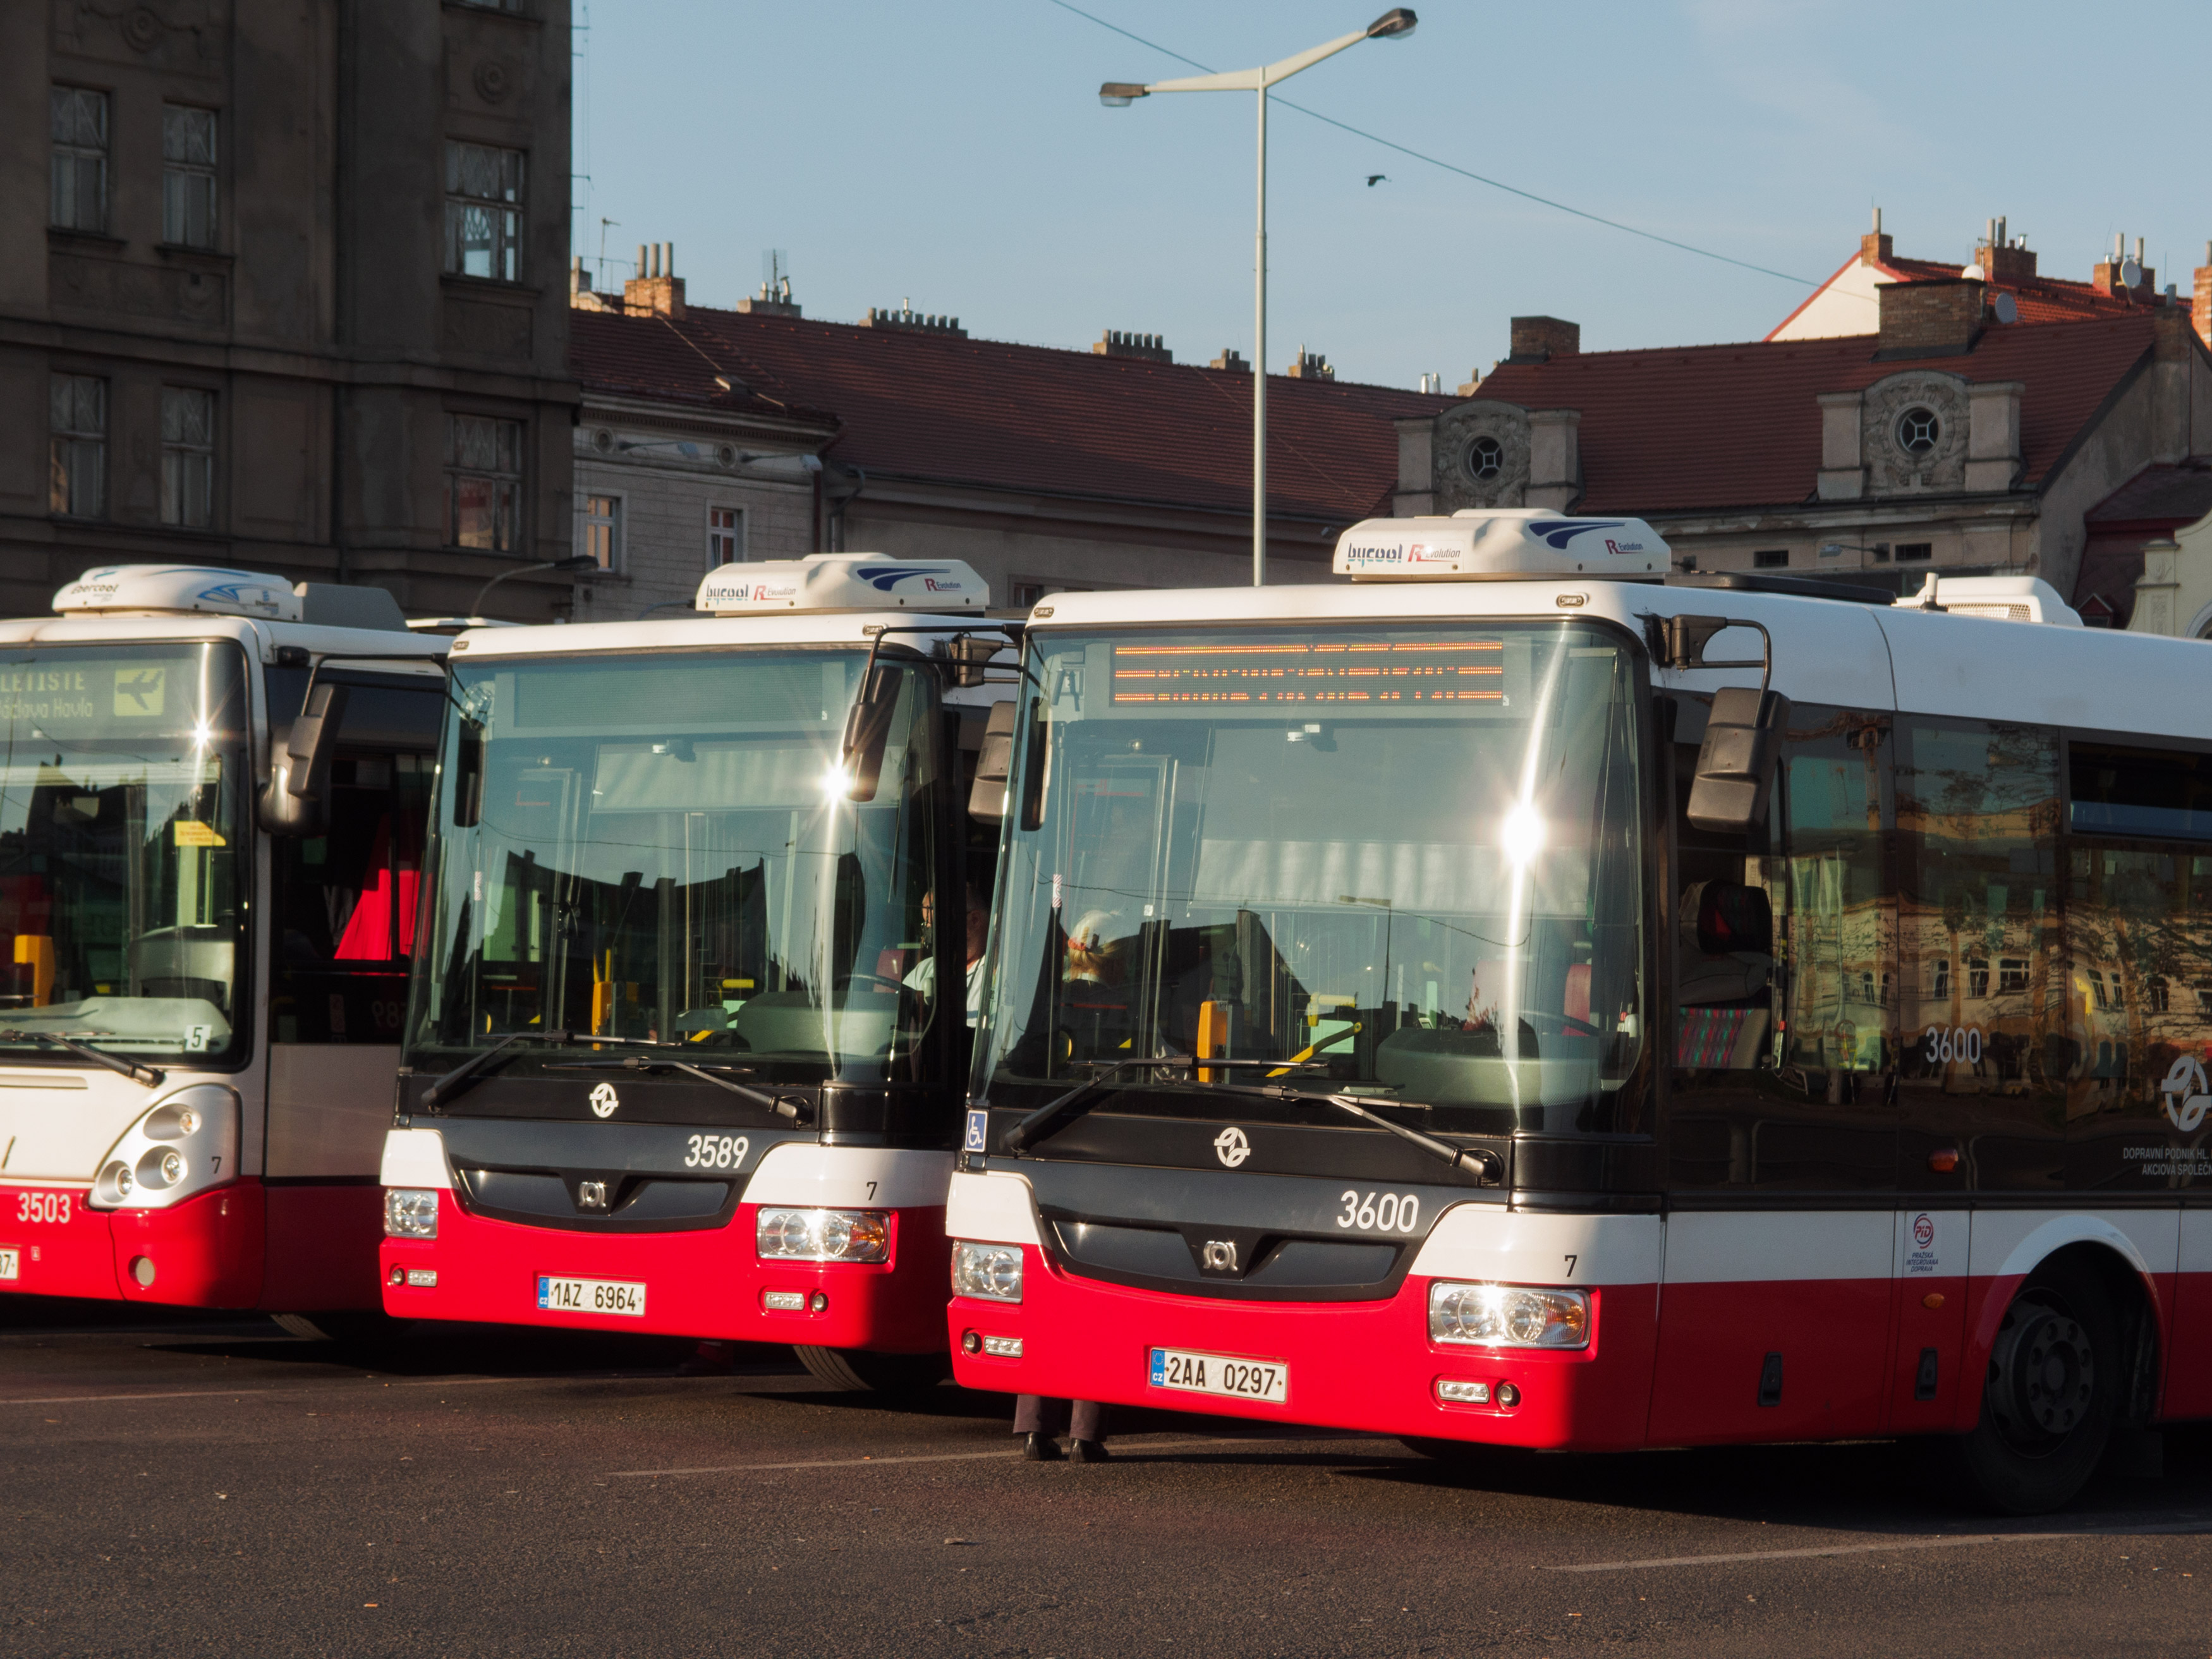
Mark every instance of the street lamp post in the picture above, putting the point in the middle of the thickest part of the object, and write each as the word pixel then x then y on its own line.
pixel 1394 24
pixel 573 562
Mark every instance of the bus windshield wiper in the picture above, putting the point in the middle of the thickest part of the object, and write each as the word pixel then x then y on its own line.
pixel 1483 1164
pixel 152 1076
pixel 781 1105
pixel 1080 1099
pixel 484 1057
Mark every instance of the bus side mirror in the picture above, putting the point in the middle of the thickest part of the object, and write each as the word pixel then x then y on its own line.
pixel 468 774
pixel 1736 764
pixel 867 729
pixel 987 800
pixel 295 802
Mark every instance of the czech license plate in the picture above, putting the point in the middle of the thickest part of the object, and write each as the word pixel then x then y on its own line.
pixel 11 1262
pixel 1219 1374
pixel 590 1296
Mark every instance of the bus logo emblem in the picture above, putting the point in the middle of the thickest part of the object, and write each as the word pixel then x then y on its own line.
pixel 604 1100
pixel 2186 1093
pixel 1924 1231
pixel 1230 1146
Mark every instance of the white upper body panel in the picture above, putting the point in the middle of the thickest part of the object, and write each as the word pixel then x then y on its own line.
pixel 261 639
pixel 795 629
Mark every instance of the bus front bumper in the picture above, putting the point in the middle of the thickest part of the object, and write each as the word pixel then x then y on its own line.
pixel 1361 1365
pixel 706 1283
pixel 206 1252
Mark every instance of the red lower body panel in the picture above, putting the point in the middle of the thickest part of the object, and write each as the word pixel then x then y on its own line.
pixel 1831 1337
pixel 1365 1365
pixel 63 1248
pixel 203 1253
pixel 702 1284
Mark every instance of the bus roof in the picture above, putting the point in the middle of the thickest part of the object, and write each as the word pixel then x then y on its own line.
pixel 698 632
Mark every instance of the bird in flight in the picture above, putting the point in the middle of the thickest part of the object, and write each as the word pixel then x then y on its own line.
pixel 1375 178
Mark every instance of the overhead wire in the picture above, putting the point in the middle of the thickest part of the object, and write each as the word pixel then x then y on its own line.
pixel 1450 167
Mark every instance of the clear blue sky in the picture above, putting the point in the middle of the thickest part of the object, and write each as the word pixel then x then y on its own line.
pixel 956 153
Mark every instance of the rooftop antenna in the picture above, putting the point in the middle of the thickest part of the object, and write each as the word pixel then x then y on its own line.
pixel 604 225
pixel 776 271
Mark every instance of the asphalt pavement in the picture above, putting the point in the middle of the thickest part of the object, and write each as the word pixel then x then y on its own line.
pixel 179 1485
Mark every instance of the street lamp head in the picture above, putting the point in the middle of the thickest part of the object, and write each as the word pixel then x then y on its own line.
pixel 1394 24
pixel 1120 94
pixel 575 561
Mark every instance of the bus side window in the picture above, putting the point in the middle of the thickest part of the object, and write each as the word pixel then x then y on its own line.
pixel 343 929
pixel 1986 1057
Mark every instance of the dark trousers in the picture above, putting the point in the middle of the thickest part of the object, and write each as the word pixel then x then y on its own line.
pixel 1083 1420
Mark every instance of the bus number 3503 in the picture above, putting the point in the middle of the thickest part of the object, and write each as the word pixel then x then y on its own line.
pixel 1388 1213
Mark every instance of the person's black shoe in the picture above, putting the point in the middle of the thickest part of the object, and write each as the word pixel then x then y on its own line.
pixel 1043 1448
pixel 1090 1451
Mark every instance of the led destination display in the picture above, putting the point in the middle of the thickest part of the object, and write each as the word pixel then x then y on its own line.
pixel 1322 671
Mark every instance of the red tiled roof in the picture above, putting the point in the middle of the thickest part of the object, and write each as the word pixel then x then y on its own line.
pixel 2171 495
pixel 2040 299
pixel 1731 426
pixel 1016 418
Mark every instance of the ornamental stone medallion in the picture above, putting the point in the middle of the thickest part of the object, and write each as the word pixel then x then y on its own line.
pixel 1914 430
pixel 1482 455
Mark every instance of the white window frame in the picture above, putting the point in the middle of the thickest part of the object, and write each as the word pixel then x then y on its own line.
pixel 77 421
pixel 486 188
pixel 588 522
pixel 737 537
pixel 78 199
pixel 187 458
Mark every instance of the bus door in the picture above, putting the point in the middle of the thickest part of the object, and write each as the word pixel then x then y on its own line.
pixel 342 937
pixel 1775 1316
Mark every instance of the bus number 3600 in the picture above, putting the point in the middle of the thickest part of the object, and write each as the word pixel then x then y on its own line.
pixel 1390 1212
pixel 1950 1044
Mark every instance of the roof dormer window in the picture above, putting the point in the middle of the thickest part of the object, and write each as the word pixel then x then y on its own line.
pixel 1917 430
pixel 1485 459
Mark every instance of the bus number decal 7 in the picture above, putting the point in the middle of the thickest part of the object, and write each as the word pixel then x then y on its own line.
pixel 1959 1044
pixel 1390 1212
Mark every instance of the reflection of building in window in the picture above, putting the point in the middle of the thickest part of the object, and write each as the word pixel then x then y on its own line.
pixel 187 176
pixel 483 483
pixel 602 532
pixel 2096 987
pixel 2012 975
pixel 726 535
pixel 483 211
pixel 2154 993
pixel 78 458
pixel 187 456
pixel 79 140
pixel 1977 977
pixel 1939 977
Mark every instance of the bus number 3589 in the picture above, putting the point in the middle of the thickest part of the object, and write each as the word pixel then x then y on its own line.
pixel 1390 1212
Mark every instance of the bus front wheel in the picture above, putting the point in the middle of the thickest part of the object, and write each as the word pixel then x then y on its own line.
pixel 2049 1394
pixel 910 1374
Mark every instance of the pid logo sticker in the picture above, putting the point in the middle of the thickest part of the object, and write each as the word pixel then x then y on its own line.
pixel 1922 1257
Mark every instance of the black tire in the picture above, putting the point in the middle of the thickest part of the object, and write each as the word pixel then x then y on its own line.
pixel 2049 1396
pixel 913 1376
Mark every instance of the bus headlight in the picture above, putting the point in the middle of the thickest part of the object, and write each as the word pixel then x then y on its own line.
pixel 991 1271
pixel 822 1236
pixel 182 1145
pixel 411 1212
pixel 1508 1316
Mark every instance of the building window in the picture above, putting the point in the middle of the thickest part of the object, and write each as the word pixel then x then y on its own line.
pixel 2155 994
pixel 483 483
pixel 1485 459
pixel 1939 978
pixel 1771 558
pixel 187 456
pixel 2012 975
pixel 1977 978
pixel 80 136
pixel 1915 552
pixel 726 535
pixel 77 469
pixel 187 176
pixel 1918 429
pixel 483 211
pixel 602 537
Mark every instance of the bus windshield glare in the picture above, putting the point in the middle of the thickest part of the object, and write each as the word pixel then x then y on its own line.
pixel 123 830
pixel 660 849
pixel 1403 859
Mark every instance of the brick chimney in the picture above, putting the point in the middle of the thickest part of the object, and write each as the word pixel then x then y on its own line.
pixel 1309 366
pixel 1540 339
pixel 1120 342
pixel 1231 362
pixel 656 290
pixel 2199 308
pixel 2105 275
pixel 1874 247
pixel 1941 317
pixel 2000 260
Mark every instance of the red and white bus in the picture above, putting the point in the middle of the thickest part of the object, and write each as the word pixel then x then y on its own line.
pixel 677 1060
pixel 1476 1011
pixel 211 793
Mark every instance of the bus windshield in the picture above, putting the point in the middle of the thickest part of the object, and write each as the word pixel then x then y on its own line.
pixel 658 848
pixel 123 830
pixel 1403 860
